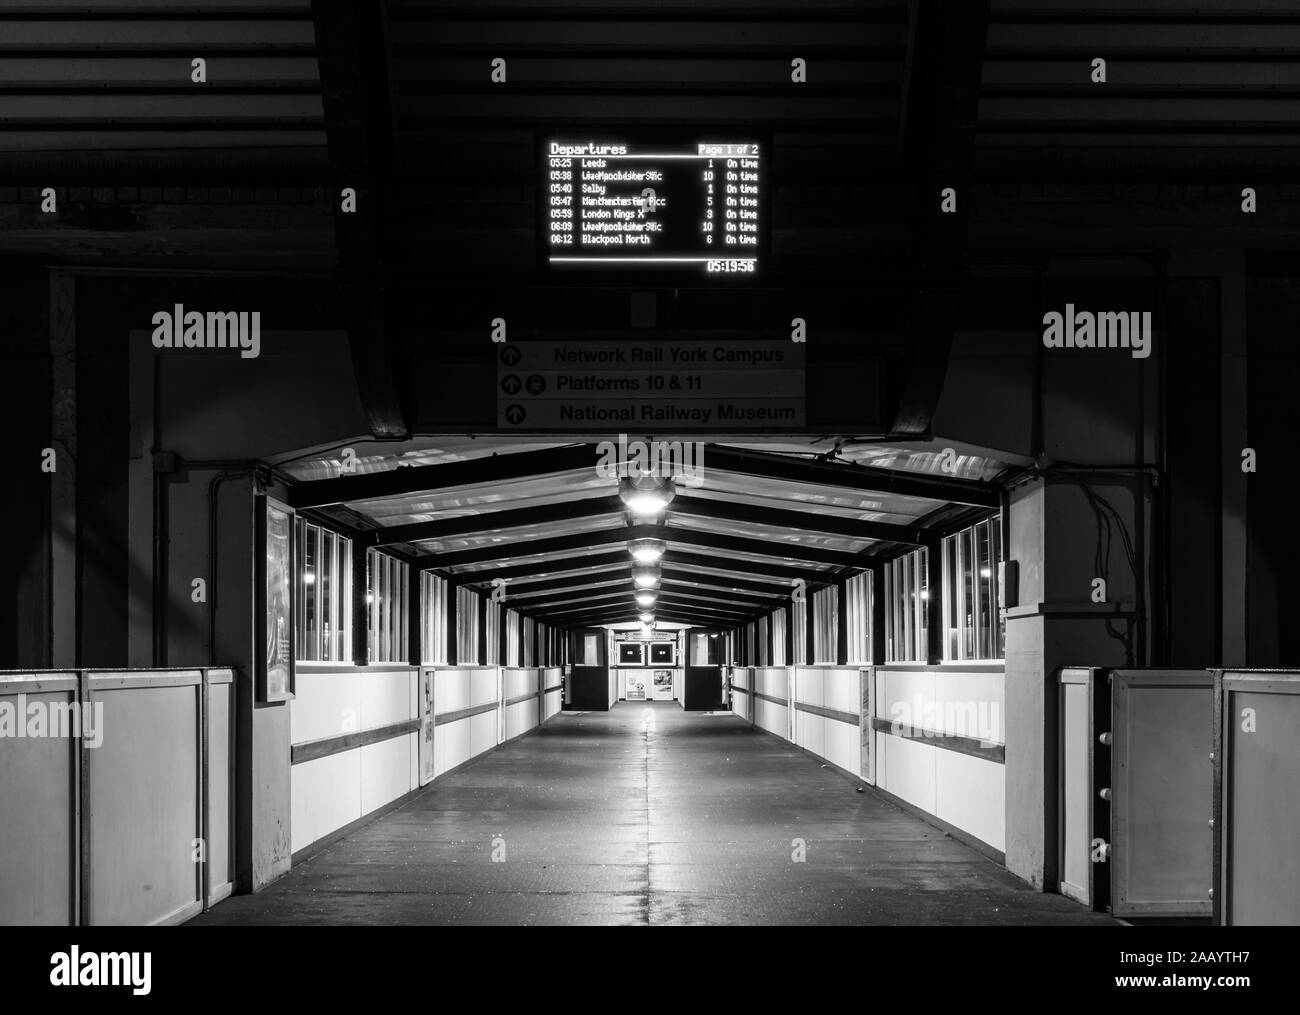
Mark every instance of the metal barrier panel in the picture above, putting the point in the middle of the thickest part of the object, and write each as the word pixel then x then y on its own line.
pixel 771 687
pixel 1162 795
pixel 144 815
pixel 219 780
pixel 1084 770
pixel 39 811
pixel 552 679
pixel 1258 798
pixel 117 797
pixel 742 697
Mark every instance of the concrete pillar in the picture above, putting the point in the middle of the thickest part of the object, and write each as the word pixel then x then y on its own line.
pixel 263 844
pixel 1055 624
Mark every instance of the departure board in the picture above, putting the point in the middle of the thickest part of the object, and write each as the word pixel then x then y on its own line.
pixel 693 207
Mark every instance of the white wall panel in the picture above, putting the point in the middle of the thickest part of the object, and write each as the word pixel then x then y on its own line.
pixel 772 717
pixel 386 771
pixel 960 789
pixel 387 697
pixel 841 690
pixel 451 690
pixel 843 745
pixel 482 732
pixel 451 745
pixel 810 685
pixel 520 718
pixel 483 685
pixel 326 703
pixel 971 795
pixel 907 769
pixel 326 795
pixel 773 681
pixel 520 681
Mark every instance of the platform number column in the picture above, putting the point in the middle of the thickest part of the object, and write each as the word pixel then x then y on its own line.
pixel 707 225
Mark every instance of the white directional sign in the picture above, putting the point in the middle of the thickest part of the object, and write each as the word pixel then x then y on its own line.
pixel 682 385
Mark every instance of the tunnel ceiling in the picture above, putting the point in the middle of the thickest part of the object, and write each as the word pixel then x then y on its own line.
pixel 545 519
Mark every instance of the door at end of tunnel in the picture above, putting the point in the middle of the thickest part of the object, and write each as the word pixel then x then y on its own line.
pixel 704 690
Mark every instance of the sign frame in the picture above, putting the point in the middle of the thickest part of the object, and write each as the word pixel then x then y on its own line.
pixel 616 132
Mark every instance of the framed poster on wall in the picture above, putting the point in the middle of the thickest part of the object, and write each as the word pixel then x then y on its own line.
pixel 273 592
pixel 662 686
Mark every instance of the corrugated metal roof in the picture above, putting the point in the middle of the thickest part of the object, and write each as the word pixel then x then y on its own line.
pixel 98 76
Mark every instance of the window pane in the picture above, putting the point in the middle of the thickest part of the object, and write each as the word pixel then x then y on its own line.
pixel 986 619
pixel 920 561
pixel 343 582
pixel 312 578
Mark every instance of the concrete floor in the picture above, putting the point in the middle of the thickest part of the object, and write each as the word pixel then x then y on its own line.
pixel 648 815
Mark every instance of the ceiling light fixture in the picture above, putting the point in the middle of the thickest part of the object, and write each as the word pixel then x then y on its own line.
pixel 645 600
pixel 645 495
pixel 645 576
pixel 647 551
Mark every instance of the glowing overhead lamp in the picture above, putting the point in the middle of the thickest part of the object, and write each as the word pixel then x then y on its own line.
pixel 647 551
pixel 645 599
pixel 646 576
pixel 645 495
pixel 647 617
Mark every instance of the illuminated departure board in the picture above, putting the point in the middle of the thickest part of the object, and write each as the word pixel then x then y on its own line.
pixel 670 207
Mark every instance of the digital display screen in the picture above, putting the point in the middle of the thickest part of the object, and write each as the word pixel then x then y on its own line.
pixel 653 206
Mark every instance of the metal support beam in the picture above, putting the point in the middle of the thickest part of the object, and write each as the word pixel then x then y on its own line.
pixel 422 478
pixel 808 520
pixel 864 478
pixel 688 537
pixel 495 521
pixel 630 607
pixel 541 571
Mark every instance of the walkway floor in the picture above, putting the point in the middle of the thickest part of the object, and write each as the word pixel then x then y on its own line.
pixel 648 815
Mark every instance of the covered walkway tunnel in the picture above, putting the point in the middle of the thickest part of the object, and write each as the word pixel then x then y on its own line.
pixel 688 462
